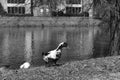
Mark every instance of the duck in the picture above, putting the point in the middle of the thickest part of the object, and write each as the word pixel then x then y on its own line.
pixel 25 65
pixel 54 55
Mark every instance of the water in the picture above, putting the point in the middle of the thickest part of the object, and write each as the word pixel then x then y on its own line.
pixel 18 45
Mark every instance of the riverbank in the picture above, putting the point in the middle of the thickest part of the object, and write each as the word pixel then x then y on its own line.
pixel 46 21
pixel 93 69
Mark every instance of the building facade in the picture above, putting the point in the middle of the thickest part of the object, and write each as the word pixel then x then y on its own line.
pixel 58 7
pixel 79 7
pixel 16 7
pixel 65 7
pixel 73 7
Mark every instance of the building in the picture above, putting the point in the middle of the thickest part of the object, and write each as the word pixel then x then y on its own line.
pixel 73 7
pixel 17 7
pixel 59 7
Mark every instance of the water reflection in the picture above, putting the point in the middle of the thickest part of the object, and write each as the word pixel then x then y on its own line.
pixel 5 49
pixel 28 46
pixel 19 45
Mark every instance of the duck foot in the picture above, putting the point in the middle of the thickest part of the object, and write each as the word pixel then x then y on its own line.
pixel 48 65
pixel 57 64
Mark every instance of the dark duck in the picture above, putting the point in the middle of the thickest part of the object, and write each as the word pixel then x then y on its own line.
pixel 54 55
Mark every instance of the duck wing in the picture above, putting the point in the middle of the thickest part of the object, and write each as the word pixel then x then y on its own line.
pixel 44 54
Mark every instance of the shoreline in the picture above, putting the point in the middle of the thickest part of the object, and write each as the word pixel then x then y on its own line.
pixel 106 68
pixel 46 21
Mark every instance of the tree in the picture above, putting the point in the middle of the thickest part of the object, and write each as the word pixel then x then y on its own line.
pixel 110 14
pixel 2 11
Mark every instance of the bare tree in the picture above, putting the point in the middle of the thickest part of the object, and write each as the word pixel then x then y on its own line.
pixel 110 14
pixel 2 11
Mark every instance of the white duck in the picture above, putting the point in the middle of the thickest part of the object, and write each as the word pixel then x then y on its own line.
pixel 54 55
pixel 25 65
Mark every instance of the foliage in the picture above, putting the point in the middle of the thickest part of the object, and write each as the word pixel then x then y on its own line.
pixel 2 11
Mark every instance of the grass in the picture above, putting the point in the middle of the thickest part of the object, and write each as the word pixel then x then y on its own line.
pixel 93 69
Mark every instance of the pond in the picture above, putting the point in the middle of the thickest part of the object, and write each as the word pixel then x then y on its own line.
pixel 18 45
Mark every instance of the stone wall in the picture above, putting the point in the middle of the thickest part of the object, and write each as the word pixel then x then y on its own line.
pixel 47 21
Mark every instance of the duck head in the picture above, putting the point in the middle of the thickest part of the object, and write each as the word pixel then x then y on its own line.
pixel 61 45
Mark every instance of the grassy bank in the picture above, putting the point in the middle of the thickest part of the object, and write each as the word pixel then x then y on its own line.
pixel 93 69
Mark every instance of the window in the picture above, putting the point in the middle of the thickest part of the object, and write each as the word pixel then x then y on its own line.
pixel 16 1
pixel 8 1
pixel 21 1
pixel 73 10
pixel 16 10
pixel 73 1
pixel 21 10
